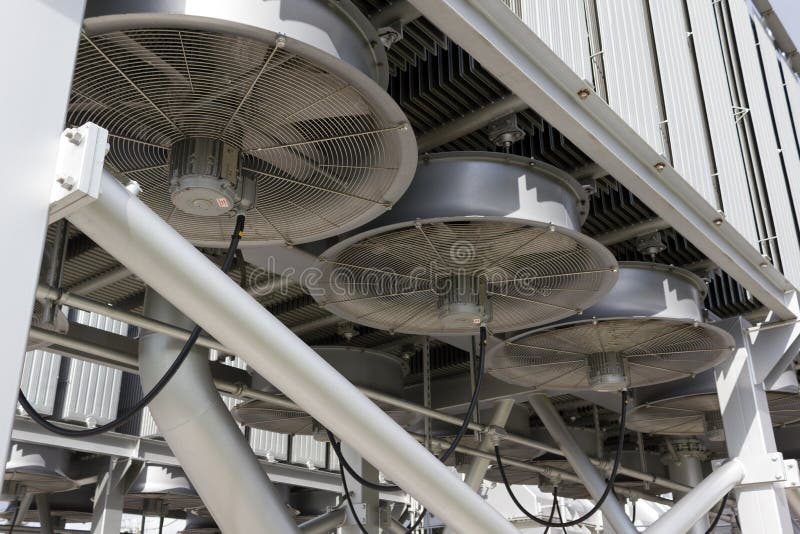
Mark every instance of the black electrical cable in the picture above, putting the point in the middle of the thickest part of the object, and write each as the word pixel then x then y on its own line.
pixel 633 514
pixel 163 381
pixel 350 501
pixel 555 503
pixel 718 516
pixel 553 508
pixel 461 432
pixel 14 519
pixel 600 501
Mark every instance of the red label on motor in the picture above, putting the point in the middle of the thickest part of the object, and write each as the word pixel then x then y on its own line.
pixel 222 202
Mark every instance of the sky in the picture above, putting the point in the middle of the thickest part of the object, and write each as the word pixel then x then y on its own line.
pixel 789 13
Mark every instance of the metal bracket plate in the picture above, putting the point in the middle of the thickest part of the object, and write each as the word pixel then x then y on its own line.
pixel 766 469
pixel 79 170
pixel 792 474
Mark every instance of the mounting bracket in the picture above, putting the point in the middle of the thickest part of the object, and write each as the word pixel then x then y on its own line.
pixel 762 469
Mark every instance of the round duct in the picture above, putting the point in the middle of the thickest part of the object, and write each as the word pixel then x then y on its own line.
pixel 38 469
pixel 691 408
pixel 478 237
pixel 647 330
pixel 160 489
pixel 363 367
pixel 273 107
pixel 196 524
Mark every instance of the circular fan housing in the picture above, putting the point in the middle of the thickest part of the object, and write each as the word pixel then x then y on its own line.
pixel 159 489
pixel 276 108
pixel 363 367
pixel 478 237
pixel 647 330
pixel 691 408
pixel 39 469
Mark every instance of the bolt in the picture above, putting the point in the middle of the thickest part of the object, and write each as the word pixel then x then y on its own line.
pixel 584 93
pixel 778 476
pixel 280 41
pixel 660 166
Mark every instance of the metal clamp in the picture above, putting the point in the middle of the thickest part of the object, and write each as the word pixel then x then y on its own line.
pixel 762 469
pixel 79 170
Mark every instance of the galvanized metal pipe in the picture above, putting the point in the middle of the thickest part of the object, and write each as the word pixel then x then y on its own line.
pixel 696 504
pixel 611 508
pixel 204 437
pixel 630 232
pixel 686 468
pixel 325 523
pixel 478 467
pixel 467 124
pixel 132 233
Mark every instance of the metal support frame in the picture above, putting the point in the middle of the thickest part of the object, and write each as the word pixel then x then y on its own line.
pixel 761 501
pixel 30 148
pixel 43 511
pixel 203 435
pixel 700 500
pixel 109 496
pixel 687 469
pixel 131 232
pixel 365 500
pixel 611 508
pixel 325 523
pixel 511 51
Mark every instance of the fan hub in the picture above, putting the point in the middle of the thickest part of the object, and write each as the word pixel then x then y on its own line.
pixel 205 177
pixel 462 300
pixel 607 371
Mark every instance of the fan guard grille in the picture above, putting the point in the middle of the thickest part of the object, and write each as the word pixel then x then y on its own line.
pixel 687 415
pixel 323 156
pixel 533 273
pixel 654 350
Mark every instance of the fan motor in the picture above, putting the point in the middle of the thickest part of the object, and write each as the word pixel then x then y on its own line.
pixel 462 301
pixel 205 178
pixel 606 371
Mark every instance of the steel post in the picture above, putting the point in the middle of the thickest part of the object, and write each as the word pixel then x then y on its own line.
pixel 34 105
pixel 611 508
pixel 687 469
pixel 696 504
pixel 43 510
pixel 748 434
pixel 204 437
pixel 365 500
pixel 132 233
pixel 109 498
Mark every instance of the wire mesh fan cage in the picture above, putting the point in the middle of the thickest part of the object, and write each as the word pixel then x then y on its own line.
pixel 478 238
pixel 273 107
pixel 649 329
pixel 692 408
pixel 368 368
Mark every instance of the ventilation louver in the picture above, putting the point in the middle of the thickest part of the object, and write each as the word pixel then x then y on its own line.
pixel 647 330
pixel 691 408
pixel 274 107
pixel 478 237
pixel 367 368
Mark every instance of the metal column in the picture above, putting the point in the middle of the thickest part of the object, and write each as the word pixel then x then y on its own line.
pixel 611 508
pixel 34 102
pixel 43 510
pixel 686 468
pixel 109 498
pixel 365 500
pixel 163 259
pixel 749 436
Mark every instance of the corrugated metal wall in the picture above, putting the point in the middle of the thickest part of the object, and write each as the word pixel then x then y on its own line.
pixel 309 452
pixel 676 71
pixel 92 390
pixel 40 379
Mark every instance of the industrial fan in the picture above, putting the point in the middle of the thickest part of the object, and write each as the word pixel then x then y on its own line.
pixel 38 469
pixel 368 368
pixel 649 329
pixel 274 108
pixel 478 238
pixel 161 489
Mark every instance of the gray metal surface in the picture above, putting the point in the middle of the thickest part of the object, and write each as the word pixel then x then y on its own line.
pixel 504 219
pixel 40 379
pixel 201 432
pixel 291 84
pixel 651 319
pixel 30 149
pixel 166 485
pixel 39 469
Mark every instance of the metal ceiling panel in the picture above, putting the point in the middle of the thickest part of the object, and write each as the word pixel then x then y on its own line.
pixel 727 149
pixel 761 115
pixel 688 133
pixel 629 68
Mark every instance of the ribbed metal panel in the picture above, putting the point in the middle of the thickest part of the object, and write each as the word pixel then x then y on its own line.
pixel 760 113
pixel 92 392
pixel 149 428
pixel 271 445
pixel 691 155
pixel 783 120
pixel 734 189
pixel 561 24
pixel 333 460
pixel 40 379
pixel 629 68
pixel 793 94
pixel 308 451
